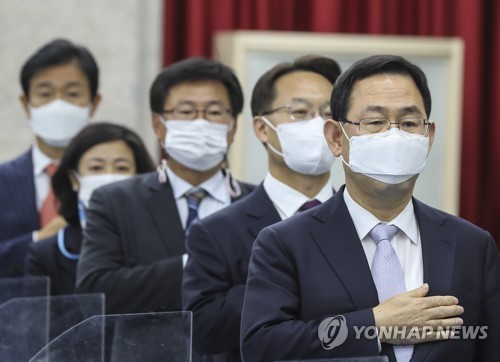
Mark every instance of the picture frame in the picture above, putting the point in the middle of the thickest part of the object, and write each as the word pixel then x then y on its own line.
pixel 251 53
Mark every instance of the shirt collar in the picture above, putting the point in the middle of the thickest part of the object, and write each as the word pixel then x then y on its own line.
pixel 364 221
pixel 40 160
pixel 214 186
pixel 289 200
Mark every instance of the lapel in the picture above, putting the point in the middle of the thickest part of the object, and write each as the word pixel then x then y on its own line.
pixel 338 241
pixel 438 249
pixel 260 210
pixel 438 254
pixel 163 209
pixel 25 194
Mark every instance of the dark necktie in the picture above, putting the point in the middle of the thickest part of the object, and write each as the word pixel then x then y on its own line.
pixel 193 197
pixel 49 206
pixel 388 275
pixel 309 204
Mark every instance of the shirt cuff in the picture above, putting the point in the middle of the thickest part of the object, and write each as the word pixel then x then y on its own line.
pixel 184 260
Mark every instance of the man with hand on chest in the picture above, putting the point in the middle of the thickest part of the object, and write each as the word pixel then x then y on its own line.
pixel 374 258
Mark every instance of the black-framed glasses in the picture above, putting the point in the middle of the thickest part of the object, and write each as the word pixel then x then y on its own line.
pixel 187 112
pixel 414 125
pixel 302 110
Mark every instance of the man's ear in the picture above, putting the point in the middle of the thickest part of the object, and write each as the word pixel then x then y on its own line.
pixel 432 134
pixel 25 104
pixel 232 132
pixel 158 127
pixel 94 104
pixel 333 135
pixel 260 129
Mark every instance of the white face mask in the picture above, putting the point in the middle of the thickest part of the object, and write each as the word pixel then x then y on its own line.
pixel 57 122
pixel 89 183
pixel 199 144
pixel 391 157
pixel 303 146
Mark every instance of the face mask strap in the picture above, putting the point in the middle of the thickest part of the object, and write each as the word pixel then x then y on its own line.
pixel 232 186
pixel 343 131
pixel 162 171
pixel 162 120
pixel 231 125
pixel 266 121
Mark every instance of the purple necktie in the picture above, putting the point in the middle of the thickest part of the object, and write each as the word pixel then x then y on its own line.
pixel 388 275
pixel 309 204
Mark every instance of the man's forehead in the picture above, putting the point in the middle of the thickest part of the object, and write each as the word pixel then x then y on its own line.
pixel 382 86
pixel 197 92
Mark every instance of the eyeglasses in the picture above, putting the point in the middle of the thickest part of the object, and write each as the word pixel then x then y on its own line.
pixel 413 125
pixel 187 112
pixel 302 111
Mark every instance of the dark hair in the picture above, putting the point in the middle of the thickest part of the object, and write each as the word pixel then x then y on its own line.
pixel 88 137
pixel 193 70
pixel 58 52
pixel 264 92
pixel 366 67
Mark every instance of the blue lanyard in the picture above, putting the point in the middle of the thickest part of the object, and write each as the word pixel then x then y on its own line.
pixel 62 246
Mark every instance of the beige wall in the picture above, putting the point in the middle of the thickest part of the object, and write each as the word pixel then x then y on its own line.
pixel 124 36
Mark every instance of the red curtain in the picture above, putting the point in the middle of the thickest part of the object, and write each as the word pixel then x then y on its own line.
pixel 190 25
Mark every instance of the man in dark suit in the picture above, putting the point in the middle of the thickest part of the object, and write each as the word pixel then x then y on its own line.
pixel 133 248
pixel 60 83
pixel 373 270
pixel 292 98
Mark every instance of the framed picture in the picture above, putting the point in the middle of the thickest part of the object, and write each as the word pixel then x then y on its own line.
pixel 251 53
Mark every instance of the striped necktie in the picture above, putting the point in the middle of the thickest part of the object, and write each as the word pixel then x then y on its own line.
pixel 194 198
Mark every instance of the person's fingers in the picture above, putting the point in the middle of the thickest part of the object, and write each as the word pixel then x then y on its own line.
pixel 421 291
pixel 444 322
pixel 438 301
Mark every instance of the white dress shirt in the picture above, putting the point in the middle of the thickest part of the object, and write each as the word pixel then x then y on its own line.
pixel 287 200
pixel 217 195
pixel 406 243
pixel 42 180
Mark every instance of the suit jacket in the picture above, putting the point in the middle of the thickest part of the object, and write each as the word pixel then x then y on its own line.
pixel 18 213
pixel 45 258
pixel 215 275
pixel 133 245
pixel 312 266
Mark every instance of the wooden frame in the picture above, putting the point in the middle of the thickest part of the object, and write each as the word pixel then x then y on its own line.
pixel 251 53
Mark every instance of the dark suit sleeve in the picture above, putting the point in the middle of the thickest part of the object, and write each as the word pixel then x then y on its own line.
pixel 490 315
pixel 18 214
pixel 128 286
pixel 271 325
pixel 35 264
pixel 209 292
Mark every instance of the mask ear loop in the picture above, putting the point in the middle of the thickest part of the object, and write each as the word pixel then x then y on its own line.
pixel 275 129
pixel 232 185
pixel 162 171
pixel 345 134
